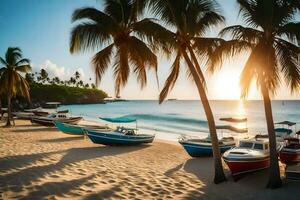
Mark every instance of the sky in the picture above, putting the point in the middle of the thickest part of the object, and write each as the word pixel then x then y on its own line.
pixel 41 28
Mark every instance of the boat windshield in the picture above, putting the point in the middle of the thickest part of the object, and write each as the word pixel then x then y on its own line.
pixel 258 146
pixel 246 144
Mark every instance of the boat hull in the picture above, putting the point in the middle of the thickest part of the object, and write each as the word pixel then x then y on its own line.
pixel 50 122
pixel 195 150
pixel 117 139
pixel 238 167
pixel 287 156
pixel 69 129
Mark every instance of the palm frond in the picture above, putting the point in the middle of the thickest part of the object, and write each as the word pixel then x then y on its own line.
pixel 12 55
pixel 101 61
pixel 155 34
pixel 142 57
pixel 239 32
pixel 120 11
pixel 290 30
pixel 23 68
pixel 172 78
pixel 3 61
pixel 88 36
pixel 121 68
pixel 209 20
pixel 23 61
pixel 287 54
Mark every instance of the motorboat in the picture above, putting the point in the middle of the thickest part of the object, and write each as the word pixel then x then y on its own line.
pixel 290 153
pixel 250 155
pixel 203 147
pixel 284 129
pixel 121 135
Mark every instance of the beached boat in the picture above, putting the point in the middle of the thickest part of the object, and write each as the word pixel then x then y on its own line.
pixel 74 129
pixel 50 119
pixel 290 153
pixel 251 155
pixel 120 136
pixel 203 147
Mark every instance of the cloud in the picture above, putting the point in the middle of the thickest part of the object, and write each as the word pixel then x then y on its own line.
pixel 64 73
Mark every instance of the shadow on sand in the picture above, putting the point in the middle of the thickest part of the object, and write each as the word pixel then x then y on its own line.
pixel 54 189
pixel 32 130
pixel 15 181
pixel 250 186
pixel 65 139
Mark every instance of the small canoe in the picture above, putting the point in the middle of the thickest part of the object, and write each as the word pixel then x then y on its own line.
pixel 77 129
pixel 121 136
pixel 203 147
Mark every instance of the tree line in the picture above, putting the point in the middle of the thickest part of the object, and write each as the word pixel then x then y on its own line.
pixel 42 77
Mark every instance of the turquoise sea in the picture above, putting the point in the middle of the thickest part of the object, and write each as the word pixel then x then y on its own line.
pixel 173 118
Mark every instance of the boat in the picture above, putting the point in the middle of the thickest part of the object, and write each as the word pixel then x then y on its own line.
pixel 251 155
pixel 120 136
pixel 285 130
pixel 290 153
pixel 203 147
pixel 74 129
pixel 50 119
pixel 234 119
pixel 43 113
pixel 23 115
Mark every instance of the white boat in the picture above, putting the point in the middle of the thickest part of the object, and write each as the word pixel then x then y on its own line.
pixel 250 155
pixel 50 119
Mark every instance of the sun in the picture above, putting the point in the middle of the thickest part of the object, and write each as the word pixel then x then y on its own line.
pixel 226 85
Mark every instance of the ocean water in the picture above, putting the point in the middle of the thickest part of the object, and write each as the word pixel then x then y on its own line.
pixel 173 118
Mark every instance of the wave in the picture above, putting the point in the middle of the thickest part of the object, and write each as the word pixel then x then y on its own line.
pixel 170 118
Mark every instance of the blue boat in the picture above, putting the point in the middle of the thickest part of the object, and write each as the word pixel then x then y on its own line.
pixel 203 147
pixel 77 129
pixel 120 136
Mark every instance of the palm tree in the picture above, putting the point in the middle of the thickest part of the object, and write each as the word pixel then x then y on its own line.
pixel 270 36
pixel 77 75
pixel 43 76
pixel 12 83
pixel 120 32
pixel 190 20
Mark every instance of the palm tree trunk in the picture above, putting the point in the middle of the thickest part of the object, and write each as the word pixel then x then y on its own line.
pixel 8 110
pixel 0 108
pixel 274 177
pixel 219 173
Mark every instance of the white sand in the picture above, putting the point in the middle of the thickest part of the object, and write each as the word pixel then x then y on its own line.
pixel 42 163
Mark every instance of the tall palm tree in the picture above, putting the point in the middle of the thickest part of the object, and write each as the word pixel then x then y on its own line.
pixel 120 32
pixel 11 81
pixel 270 36
pixel 188 21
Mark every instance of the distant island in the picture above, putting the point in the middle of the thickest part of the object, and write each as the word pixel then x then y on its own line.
pixel 73 91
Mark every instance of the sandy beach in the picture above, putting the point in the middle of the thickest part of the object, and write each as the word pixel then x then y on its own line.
pixel 37 162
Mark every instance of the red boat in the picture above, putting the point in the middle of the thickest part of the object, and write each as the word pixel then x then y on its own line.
pixel 251 155
pixel 291 152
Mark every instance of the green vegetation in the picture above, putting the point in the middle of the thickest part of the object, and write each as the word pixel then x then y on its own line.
pixel 65 94
pixel 44 88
